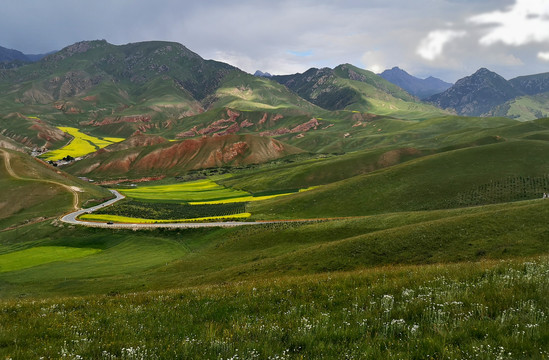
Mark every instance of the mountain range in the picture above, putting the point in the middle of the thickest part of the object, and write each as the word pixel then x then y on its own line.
pixel 166 90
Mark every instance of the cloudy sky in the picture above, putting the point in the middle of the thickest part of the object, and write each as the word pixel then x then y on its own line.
pixel 444 38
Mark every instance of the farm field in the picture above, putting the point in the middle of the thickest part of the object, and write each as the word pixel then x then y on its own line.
pixel 40 255
pixel 198 192
pixel 81 144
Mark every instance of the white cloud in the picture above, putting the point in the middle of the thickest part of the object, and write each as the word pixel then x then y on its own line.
pixel 433 45
pixel 527 21
pixel 374 61
pixel 543 56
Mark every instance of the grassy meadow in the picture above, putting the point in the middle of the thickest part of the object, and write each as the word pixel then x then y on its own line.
pixel 442 312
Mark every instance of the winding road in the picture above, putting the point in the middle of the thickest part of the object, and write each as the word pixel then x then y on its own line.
pixel 72 219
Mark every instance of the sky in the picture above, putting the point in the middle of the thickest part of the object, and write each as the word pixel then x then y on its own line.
pixel 448 39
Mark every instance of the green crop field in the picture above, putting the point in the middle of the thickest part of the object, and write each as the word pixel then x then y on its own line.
pixel 199 192
pixel 167 211
pixel 41 255
pixel 81 144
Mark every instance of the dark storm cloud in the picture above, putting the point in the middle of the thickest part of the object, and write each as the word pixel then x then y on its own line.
pixel 272 35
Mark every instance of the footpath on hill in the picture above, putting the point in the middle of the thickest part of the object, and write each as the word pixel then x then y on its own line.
pixel 73 189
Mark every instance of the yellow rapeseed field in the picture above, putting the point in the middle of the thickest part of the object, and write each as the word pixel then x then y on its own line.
pixel 82 144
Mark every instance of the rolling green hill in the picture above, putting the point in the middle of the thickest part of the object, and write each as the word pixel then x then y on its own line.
pixel 34 191
pixel 485 174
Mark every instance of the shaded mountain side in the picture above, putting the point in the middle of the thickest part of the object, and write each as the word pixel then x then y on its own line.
pixel 422 88
pixel 485 93
pixel 477 94
pixel 531 84
pixel 16 56
pixel 123 160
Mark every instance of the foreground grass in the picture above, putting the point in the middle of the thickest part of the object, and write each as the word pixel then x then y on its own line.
pixel 468 311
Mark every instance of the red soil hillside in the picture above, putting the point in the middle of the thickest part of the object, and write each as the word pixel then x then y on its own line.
pixel 174 158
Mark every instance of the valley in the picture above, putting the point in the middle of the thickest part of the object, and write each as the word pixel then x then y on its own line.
pixel 324 214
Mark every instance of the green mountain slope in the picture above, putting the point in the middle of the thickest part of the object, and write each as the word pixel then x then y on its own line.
pixel 349 88
pixel 149 86
pixel 525 108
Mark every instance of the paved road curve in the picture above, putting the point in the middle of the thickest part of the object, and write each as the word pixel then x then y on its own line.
pixel 71 219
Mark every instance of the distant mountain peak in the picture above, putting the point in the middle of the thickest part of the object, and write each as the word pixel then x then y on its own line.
pixel 260 73
pixel 421 88
pixel 16 58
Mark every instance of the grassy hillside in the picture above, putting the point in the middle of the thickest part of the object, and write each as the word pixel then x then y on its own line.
pixel 397 142
pixel 356 286
pixel 319 171
pixel 34 191
pixel 206 256
pixel 525 108
pixel 438 181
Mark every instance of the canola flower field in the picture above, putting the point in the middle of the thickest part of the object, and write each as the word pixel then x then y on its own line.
pixel 127 219
pixel 155 204
pixel 81 144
